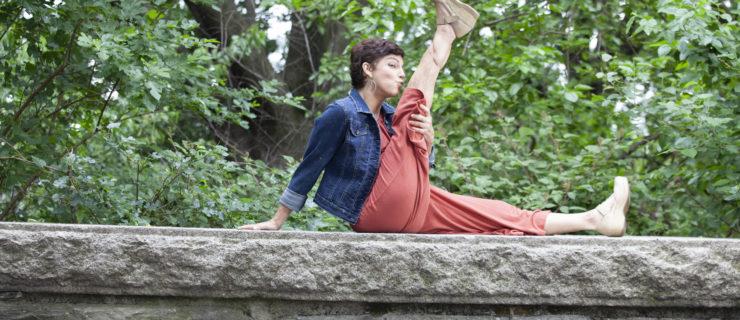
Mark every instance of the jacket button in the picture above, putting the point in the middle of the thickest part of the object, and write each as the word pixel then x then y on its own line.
pixel 357 132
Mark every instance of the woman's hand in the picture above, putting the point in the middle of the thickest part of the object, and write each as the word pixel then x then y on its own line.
pixel 267 225
pixel 423 124
pixel 273 224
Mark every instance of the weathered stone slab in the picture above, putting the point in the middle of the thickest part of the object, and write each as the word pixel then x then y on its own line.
pixel 74 307
pixel 373 268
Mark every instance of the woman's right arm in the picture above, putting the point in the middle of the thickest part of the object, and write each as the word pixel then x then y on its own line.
pixel 326 137
pixel 273 224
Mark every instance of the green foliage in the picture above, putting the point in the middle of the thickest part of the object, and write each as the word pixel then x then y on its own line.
pixel 94 95
pixel 547 101
pixel 101 108
pixel 191 185
pixel 691 64
pixel 555 120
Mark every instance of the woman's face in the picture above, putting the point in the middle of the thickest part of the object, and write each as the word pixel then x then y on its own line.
pixel 388 75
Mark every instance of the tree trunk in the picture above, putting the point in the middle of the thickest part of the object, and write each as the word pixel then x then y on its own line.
pixel 277 129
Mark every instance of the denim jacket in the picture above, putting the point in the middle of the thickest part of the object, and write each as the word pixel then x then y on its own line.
pixel 345 144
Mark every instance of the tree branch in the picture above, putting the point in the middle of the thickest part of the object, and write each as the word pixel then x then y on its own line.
pixel 19 195
pixel 92 134
pixel 305 39
pixel 490 23
pixel 310 60
pixel 457 157
pixel 46 82
pixel 12 147
pixel 31 162
pixel 638 144
pixel 11 24
pixel 546 32
pixel 100 117
pixel 138 116
pixel 605 158
pixel 224 140
pixel 92 75
pixel 60 99
pixel 54 113
pixel 516 148
pixel 245 67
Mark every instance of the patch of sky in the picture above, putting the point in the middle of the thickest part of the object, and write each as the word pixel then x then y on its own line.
pixel 485 32
pixel 594 41
pixel 278 18
pixel 639 96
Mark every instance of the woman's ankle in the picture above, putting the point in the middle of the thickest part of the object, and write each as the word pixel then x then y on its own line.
pixel 592 219
pixel 445 31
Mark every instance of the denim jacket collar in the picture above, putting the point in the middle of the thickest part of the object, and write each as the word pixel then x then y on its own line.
pixel 362 107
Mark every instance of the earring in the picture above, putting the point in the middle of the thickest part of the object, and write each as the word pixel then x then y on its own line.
pixel 375 86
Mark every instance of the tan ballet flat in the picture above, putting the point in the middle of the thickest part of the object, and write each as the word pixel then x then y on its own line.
pixel 614 209
pixel 462 17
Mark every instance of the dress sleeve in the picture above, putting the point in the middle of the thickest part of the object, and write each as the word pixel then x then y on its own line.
pixel 326 137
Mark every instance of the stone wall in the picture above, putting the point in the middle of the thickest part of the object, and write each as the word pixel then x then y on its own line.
pixel 103 272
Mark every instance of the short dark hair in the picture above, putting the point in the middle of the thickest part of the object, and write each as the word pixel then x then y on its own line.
pixel 369 50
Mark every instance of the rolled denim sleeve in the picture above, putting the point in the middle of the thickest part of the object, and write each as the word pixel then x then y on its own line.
pixel 326 137
pixel 431 158
pixel 293 200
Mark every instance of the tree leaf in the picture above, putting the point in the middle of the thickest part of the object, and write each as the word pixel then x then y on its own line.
pixel 514 88
pixel 593 149
pixel 664 50
pixel 571 96
pixel 38 161
pixel 690 152
pixel 524 131
pixel 629 24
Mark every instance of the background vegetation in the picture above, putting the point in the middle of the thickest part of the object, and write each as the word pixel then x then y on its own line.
pixel 191 113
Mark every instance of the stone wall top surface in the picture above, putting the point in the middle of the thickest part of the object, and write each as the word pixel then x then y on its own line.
pixel 218 263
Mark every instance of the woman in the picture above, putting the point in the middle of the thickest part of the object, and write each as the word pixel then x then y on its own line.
pixel 376 159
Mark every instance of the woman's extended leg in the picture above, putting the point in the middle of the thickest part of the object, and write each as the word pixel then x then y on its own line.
pixel 608 218
pixel 558 223
pixel 452 213
pixel 434 59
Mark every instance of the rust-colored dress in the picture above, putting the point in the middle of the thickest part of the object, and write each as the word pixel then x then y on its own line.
pixel 402 199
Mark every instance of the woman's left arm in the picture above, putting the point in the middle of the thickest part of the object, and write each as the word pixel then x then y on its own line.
pixel 423 124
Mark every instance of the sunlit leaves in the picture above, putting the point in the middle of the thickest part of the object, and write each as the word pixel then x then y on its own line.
pixel 655 99
pixel 541 107
pixel 87 72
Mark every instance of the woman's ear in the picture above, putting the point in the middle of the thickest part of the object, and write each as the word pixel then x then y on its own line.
pixel 367 70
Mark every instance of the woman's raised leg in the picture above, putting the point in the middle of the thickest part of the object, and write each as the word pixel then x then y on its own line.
pixel 400 192
pixel 435 57
pixel 399 199
pixel 432 62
